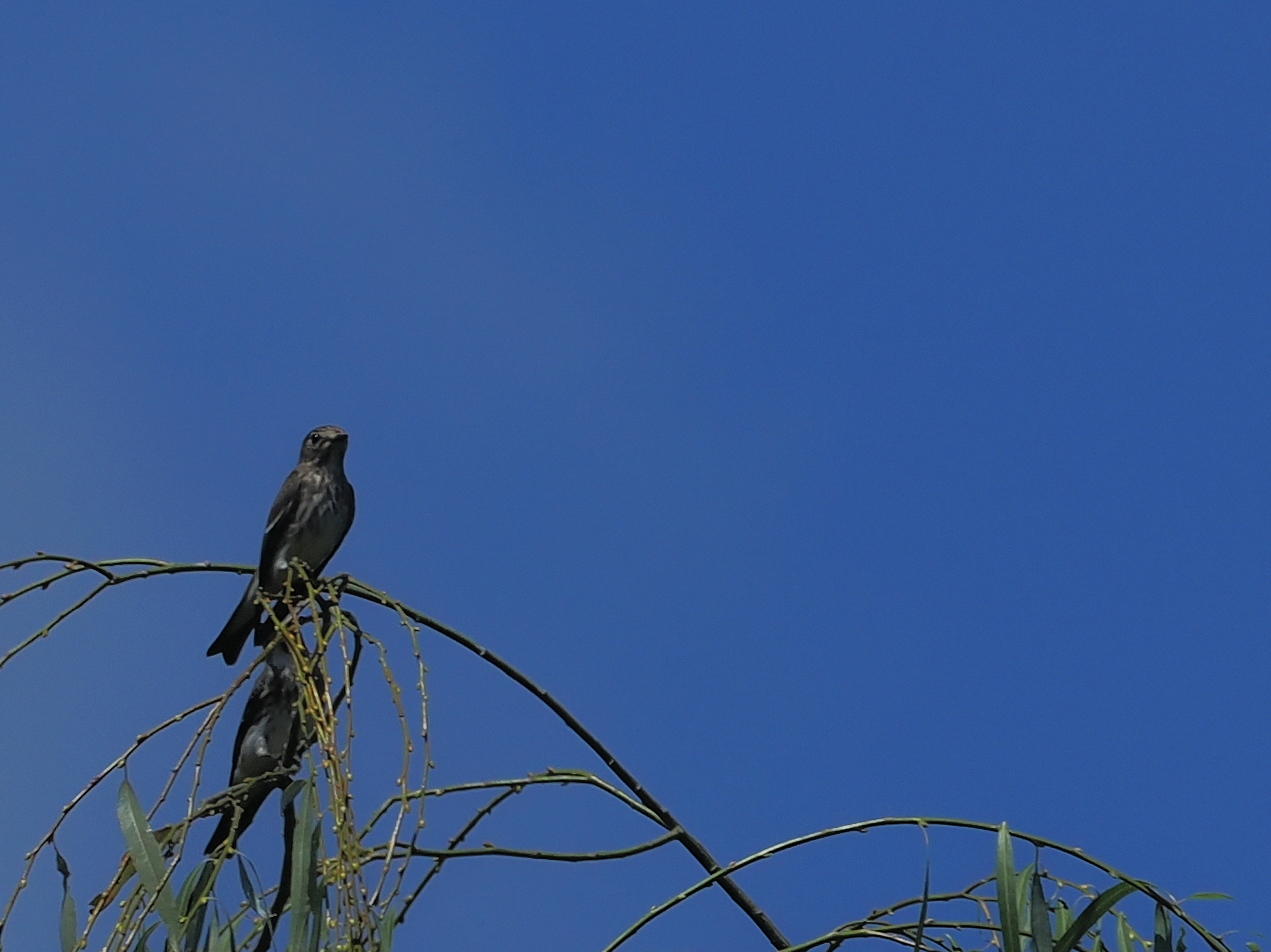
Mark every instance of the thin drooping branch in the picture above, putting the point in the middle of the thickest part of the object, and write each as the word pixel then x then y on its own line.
pixel 696 849
pixel 455 841
pixel 116 764
pixel 509 789
pixel 900 933
pixel 382 852
pixel 864 826
pixel 152 567
pixel 324 597
pixel 555 777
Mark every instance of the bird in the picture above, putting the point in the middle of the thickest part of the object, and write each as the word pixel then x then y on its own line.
pixel 268 740
pixel 309 519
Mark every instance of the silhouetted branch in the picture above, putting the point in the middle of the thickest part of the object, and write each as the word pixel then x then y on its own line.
pixel 1144 887
pixel 695 848
pixel 379 852
pixel 340 896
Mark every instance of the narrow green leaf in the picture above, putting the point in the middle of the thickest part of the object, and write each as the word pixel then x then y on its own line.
pixel 146 856
pixel 1007 908
pixel 319 921
pixel 192 901
pixel 317 891
pixel 1125 939
pixel 1163 937
pixel 922 910
pixel 1207 895
pixel 1181 946
pixel 143 943
pixel 69 928
pixel 1023 881
pixel 196 886
pixel 301 867
pixel 389 923
pixel 318 899
pixel 184 894
pixel 1039 915
pixel 289 792
pixel 219 938
pixel 1090 916
pixel 1063 916
pixel 250 893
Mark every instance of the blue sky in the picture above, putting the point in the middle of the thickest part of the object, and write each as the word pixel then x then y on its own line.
pixel 847 409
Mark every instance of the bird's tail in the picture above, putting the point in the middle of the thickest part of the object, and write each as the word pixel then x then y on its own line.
pixel 267 630
pixel 265 942
pixel 234 635
pixel 221 834
pixel 227 826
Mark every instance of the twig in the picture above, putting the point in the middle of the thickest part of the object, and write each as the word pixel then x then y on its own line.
pixel 696 849
pixel 561 777
pixel 380 852
pixel 1146 888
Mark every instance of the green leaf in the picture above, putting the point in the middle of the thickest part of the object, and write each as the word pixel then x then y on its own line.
pixel 317 890
pixel 143 943
pixel 922 910
pixel 192 901
pixel 250 893
pixel 1023 881
pixel 318 898
pixel 1007 909
pixel 69 928
pixel 1163 937
pixel 1040 916
pixel 146 856
pixel 389 923
pixel 219 938
pixel 289 792
pixel 1091 915
pixel 1063 916
pixel 1207 895
pixel 1125 938
pixel 302 866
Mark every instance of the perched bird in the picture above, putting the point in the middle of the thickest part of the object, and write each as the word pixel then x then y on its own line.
pixel 268 739
pixel 308 521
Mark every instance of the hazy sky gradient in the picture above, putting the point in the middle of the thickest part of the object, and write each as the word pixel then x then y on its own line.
pixel 847 409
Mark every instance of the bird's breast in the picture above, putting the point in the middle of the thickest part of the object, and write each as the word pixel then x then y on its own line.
pixel 320 524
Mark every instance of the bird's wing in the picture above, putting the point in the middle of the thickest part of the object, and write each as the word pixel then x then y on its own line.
pixel 282 515
pixel 347 489
pixel 257 702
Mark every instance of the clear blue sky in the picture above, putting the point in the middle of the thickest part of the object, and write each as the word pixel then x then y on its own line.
pixel 848 409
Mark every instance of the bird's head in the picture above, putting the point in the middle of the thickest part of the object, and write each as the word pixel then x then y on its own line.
pixel 324 445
